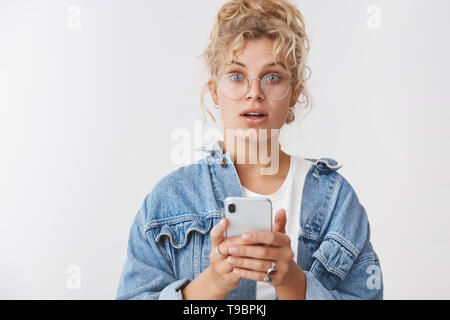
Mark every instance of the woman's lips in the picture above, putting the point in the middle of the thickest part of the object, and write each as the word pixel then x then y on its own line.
pixel 254 120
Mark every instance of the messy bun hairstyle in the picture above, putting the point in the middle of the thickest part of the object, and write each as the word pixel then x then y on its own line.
pixel 239 20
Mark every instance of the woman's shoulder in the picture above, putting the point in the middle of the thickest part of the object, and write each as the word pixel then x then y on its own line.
pixel 326 188
pixel 333 206
pixel 178 192
pixel 181 178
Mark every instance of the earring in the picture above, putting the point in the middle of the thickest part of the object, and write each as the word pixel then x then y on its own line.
pixel 291 116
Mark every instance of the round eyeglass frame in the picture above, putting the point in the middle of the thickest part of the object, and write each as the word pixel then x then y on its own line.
pixel 260 86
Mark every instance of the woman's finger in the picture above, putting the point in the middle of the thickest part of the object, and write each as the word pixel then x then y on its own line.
pixel 231 242
pixel 276 239
pixel 251 264
pixel 280 221
pixel 217 232
pixel 223 267
pixel 263 252
pixel 250 274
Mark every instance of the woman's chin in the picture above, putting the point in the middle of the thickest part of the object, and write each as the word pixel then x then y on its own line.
pixel 254 134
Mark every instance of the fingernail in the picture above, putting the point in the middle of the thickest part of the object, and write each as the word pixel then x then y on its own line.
pixel 231 260
pixel 222 222
pixel 233 250
pixel 246 236
pixel 236 271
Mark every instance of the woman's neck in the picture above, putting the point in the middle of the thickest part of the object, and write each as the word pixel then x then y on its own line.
pixel 258 159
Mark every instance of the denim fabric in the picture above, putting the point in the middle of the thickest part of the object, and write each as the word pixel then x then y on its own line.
pixel 169 241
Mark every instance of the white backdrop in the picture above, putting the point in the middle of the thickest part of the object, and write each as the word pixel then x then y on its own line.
pixel 92 91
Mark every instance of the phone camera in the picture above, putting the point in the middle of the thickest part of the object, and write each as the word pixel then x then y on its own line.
pixel 231 208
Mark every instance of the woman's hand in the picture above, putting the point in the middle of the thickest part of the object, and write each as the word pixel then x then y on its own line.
pixel 216 281
pixel 223 277
pixel 251 260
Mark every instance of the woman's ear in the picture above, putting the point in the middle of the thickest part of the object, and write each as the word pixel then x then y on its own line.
pixel 295 96
pixel 213 91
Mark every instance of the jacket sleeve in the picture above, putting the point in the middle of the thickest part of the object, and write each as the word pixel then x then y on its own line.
pixel 363 281
pixel 146 275
pixel 345 265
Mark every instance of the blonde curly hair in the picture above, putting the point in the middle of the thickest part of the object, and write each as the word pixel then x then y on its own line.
pixel 240 20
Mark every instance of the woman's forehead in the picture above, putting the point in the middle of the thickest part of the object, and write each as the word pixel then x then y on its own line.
pixel 259 54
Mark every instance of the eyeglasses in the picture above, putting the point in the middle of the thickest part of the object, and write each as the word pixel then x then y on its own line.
pixel 234 86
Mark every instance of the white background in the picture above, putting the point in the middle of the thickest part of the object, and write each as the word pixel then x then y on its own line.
pixel 87 114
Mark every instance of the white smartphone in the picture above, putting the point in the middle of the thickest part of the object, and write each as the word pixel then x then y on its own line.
pixel 247 214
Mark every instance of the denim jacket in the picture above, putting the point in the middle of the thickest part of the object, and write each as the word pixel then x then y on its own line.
pixel 169 241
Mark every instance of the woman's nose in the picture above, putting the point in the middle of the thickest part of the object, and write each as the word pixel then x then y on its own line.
pixel 254 89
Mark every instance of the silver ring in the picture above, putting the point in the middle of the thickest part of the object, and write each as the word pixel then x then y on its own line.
pixel 273 270
pixel 268 278
pixel 218 251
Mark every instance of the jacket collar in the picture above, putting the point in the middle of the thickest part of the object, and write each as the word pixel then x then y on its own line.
pixel 224 177
pixel 215 150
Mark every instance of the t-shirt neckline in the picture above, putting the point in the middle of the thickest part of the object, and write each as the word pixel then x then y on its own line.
pixel 279 192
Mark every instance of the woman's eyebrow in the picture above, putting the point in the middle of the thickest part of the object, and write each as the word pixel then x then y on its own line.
pixel 265 66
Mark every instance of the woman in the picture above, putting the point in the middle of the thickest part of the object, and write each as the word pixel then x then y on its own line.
pixel 319 246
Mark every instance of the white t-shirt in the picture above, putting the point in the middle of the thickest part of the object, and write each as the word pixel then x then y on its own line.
pixel 288 197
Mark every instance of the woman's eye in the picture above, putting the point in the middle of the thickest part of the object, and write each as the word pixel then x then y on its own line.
pixel 273 77
pixel 236 77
